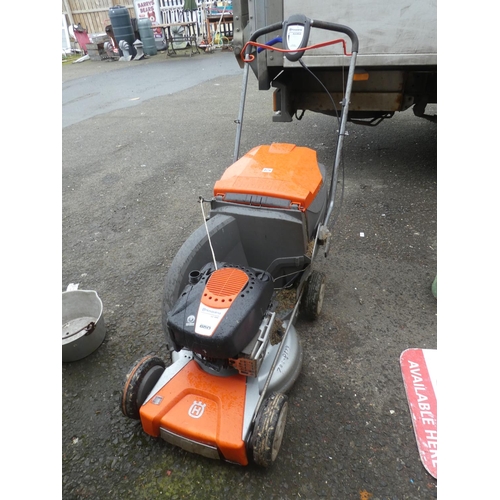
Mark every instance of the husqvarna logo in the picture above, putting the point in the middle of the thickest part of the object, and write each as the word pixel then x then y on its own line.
pixel 196 410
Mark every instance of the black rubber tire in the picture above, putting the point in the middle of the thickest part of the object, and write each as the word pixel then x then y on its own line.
pixel 139 382
pixel 269 429
pixel 312 300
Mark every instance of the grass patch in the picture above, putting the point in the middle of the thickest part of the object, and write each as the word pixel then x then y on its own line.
pixel 70 59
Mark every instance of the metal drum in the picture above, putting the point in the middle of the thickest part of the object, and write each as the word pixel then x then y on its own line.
pixel 147 36
pixel 122 27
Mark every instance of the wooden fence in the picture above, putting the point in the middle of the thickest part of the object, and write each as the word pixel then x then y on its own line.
pixel 172 12
pixel 93 15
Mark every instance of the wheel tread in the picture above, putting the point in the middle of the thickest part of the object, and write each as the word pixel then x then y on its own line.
pixel 130 405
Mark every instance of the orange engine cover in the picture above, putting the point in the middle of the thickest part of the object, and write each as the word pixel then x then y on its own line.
pixel 281 170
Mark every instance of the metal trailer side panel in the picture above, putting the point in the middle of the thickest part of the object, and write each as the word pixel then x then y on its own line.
pixel 392 32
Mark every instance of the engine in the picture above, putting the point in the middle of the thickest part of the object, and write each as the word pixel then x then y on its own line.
pixel 221 311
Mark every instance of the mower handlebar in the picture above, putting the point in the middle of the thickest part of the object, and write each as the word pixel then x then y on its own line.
pixel 341 29
pixel 325 25
pixel 263 31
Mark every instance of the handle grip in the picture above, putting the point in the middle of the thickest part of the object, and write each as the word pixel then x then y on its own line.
pixel 325 25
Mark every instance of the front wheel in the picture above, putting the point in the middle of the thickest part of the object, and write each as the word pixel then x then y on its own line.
pixel 269 429
pixel 139 382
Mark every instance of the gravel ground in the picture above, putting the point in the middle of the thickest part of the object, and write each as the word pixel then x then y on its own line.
pixel 130 183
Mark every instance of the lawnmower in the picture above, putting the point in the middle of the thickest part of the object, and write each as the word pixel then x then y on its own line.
pixel 236 286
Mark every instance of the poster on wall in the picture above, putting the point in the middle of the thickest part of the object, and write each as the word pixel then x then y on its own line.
pixel 150 9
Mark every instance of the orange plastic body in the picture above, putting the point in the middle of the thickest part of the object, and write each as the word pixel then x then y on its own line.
pixel 202 407
pixel 281 170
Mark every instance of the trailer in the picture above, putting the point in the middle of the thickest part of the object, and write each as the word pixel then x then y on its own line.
pixel 396 66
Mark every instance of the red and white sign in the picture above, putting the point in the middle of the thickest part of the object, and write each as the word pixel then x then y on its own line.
pixel 419 369
pixel 150 9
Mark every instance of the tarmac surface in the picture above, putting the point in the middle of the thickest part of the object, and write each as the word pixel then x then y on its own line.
pixel 131 178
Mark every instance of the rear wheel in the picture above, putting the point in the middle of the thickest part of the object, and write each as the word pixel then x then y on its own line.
pixel 312 300
pixel 139 382
pixel 269 429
